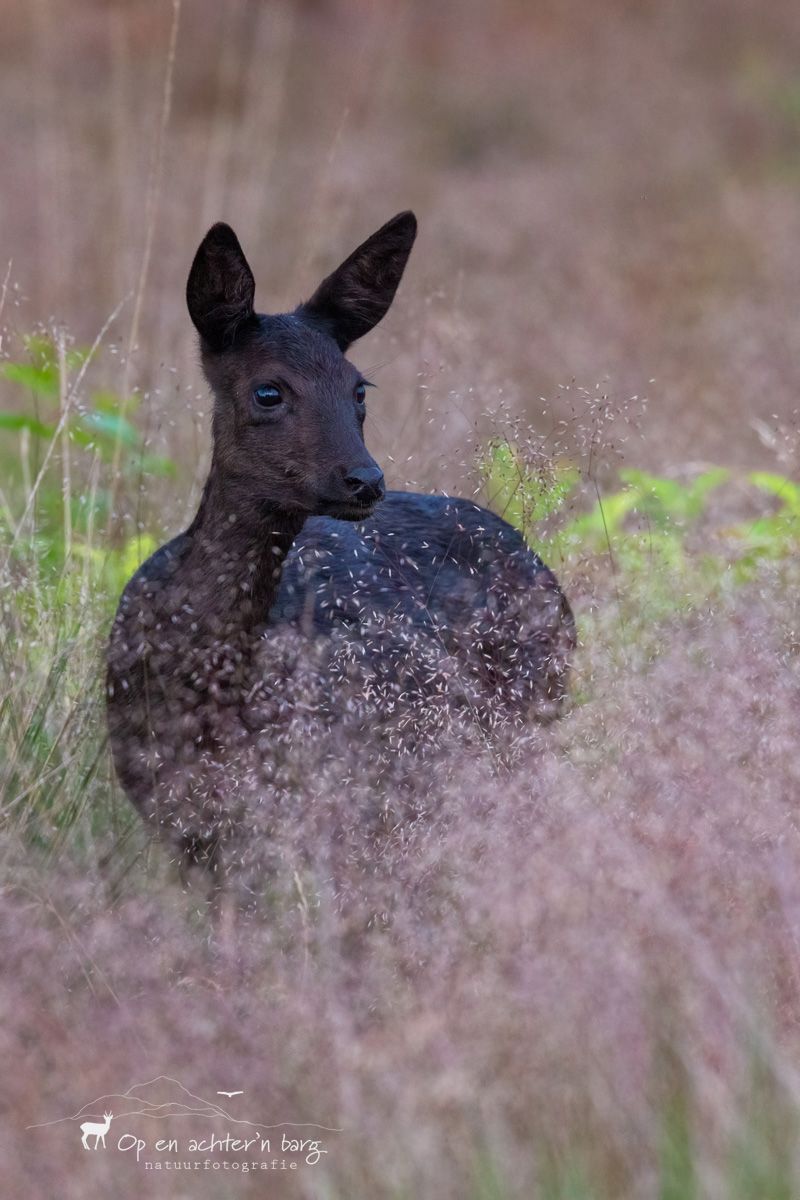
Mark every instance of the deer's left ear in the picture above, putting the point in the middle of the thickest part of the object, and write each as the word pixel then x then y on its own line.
pixel 357 295
pixel 220 288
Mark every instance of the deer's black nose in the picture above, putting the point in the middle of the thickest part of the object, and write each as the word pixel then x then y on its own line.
pixel 366 484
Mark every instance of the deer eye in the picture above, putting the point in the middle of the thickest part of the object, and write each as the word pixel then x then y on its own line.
pixel 267 396
pixel 360 393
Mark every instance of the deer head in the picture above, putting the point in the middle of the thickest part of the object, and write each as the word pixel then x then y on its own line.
pixel 289 408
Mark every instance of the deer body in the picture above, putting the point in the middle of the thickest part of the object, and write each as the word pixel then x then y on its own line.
pixel 430 559
pixel 294 539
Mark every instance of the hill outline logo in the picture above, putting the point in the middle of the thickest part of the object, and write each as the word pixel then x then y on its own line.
pixel 297 1140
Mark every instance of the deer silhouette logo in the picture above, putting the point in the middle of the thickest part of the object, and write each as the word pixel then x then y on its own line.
pixel 97 1130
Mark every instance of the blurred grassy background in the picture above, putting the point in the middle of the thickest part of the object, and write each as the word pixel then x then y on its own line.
pixel 608 193
pixel 584 978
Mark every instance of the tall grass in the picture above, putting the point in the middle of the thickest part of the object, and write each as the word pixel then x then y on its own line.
pixel 571 971
pixel 567 976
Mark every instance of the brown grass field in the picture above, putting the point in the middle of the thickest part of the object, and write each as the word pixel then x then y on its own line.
pixel 567 970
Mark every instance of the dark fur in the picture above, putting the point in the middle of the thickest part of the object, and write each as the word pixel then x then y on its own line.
pixel 284 552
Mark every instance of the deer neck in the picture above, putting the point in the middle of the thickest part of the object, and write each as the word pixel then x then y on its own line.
pixel 237 546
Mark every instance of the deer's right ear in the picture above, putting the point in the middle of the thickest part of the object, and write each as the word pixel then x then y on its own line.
pixel 220 288
pixel 357 295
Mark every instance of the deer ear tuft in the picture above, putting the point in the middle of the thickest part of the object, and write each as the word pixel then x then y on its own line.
pixel 220 289
pixel 357 295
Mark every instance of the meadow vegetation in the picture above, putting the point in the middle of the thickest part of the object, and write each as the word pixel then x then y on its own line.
pixel 570 971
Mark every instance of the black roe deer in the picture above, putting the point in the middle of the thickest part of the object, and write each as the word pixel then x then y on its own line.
pixel 295 535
